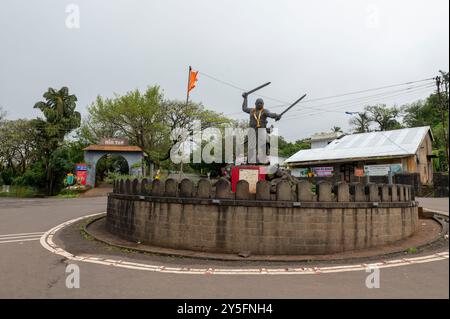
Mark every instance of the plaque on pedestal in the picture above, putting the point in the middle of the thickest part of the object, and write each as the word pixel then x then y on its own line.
pixel 250 173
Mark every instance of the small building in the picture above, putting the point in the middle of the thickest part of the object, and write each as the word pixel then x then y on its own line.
pixel 108 146
pixel 322 139
pixel 349 157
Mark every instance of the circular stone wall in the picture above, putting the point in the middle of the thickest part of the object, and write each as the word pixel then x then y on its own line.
pixel 290 221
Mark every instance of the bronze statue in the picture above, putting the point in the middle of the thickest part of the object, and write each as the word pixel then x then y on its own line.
pixel 258 114
pixel 258 119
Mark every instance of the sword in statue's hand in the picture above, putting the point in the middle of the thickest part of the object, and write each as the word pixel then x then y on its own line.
pixel 245 94
pixel 289 107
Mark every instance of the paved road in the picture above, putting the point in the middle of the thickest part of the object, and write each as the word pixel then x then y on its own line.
pixel 438 203
pixel 27 270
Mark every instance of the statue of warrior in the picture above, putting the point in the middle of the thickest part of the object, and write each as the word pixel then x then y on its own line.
pixel 258 120
pixel 258 114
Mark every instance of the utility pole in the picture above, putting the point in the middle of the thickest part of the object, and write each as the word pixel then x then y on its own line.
pixel 441 109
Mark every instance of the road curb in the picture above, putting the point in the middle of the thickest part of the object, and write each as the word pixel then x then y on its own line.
pixel 48 243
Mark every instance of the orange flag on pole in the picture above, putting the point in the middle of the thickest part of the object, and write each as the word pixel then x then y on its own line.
pixel 192 79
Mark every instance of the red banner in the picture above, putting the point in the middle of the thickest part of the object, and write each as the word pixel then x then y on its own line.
pixel 81 177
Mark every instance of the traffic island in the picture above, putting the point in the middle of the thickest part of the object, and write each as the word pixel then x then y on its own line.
pixel 427 237
pixel 299 220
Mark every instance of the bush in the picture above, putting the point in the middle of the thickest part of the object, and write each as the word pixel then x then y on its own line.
pixel 34 176
pixel 6 177
pixel 21 191
pixel 113 176
pixel 69 193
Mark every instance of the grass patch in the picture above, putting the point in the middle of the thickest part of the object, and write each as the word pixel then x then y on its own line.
pixel 412 250
pixel 20 191
pixel 83 232
pixel 67 195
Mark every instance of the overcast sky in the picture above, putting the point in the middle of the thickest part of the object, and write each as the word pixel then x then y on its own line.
pixel 321 48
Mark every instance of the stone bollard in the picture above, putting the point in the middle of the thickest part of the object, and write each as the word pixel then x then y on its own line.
pixel 358 193
pixel 262 190
pixel 223 189
pixel 393 190
pixel 144 187
pixel 372 192
pixel 304 193
pixel 204 188
pixel 284 191
pixel 171 188
pixel 127 187
pixel 343 192
pixel 242 190
pixel 409 193
pixel 135 187
pixel 324 193
pixel 186 188
pixel 157 188
pixel 401 193
pixel 385 196
pixel 412 195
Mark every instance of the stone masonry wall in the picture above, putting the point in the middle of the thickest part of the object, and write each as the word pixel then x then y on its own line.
pixel 291 221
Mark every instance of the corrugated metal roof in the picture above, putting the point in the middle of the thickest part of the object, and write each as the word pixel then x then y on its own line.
pixel 113 148
pixel 325 136
pixel 399 143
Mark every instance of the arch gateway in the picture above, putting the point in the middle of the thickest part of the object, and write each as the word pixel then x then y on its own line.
pixel 114 146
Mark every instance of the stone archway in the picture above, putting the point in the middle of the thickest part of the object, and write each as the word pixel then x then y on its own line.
pixel 114 146
pixel 112 162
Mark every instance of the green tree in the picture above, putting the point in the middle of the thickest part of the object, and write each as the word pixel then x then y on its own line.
pixel 287 149
pixel 428 113
pixel 61 162
pixel 17 146
pixel 147 120
pixel 60 118
pixel 385 117
pixel 361 122
pixel 135 115
pixel 108 164
pixel 336 129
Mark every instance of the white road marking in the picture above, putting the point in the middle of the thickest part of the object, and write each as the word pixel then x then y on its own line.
pixel 18 240
pixel 20 237
pixel 47 242
pixel 23 234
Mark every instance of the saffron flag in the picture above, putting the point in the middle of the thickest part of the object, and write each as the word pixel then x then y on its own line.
pixel 192 79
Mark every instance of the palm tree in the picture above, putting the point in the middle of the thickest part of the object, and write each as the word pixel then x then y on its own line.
pixel 60 119
pixel 336 129
pixel 361 122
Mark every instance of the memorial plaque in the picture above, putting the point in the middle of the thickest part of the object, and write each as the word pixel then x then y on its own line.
pixel 250 173
pixel 251 176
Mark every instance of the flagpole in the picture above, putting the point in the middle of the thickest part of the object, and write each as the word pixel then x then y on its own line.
pixel 187 102
pixel 187 91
